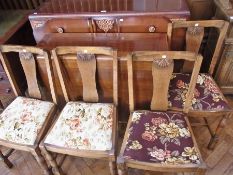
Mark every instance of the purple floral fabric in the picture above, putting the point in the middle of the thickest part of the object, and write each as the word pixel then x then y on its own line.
pixel 160 137
pixel 207 95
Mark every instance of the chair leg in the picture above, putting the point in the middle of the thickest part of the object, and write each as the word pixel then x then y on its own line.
pixel 51 161
pixel 121 167
pixel 113 168
pixel 200 171
pixel 5 160
pixel 214 139
pixel 41 161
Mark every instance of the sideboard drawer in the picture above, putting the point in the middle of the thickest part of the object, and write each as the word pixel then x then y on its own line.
pixel 68 26
pixel 143 24
pixel 5 88
pixel 3 77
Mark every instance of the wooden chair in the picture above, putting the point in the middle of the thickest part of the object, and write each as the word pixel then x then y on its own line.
pixel 84 129
pixel 158 139
pixel 208 99
pixel 25 121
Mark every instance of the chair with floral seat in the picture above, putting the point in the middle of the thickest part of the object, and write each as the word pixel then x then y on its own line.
pixel 158 139
pixel 208 99
pixel 84 128
pixel 25 121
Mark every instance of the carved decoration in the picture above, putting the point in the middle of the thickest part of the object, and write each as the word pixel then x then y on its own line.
pixel 25 55
pixel 226 4
pixel 85 56
pixel 37 24
pixel 105 24
pixel 195 30
pixel 163 62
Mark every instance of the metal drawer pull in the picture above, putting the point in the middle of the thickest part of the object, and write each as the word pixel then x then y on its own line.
pixel 60 30
pixel 8 90
pixel 152 29
pixel 1 78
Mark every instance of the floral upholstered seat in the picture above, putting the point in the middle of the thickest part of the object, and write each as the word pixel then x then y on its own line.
pixel 160 137
pixel 85 126
pixel 22 120
pixel 207 94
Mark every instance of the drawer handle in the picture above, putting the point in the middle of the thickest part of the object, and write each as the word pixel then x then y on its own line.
pixel 1 78
pixel 8 90
pixel 60 30
pixel 152 29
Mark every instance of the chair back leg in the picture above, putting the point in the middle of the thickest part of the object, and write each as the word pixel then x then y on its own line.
pixel 5 160
pixel 41 161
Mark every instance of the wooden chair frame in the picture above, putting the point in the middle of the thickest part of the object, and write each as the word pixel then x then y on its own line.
pixel 109 155
pixel 142 56
pixel 33 149
pixel 193 43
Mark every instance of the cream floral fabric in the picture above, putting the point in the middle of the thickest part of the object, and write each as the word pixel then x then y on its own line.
pixel 22 120
pixel 83 126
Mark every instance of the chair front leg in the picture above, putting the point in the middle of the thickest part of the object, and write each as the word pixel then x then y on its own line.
pixel 41 161
pixel 113 168
pixel 221 125
pixel 51 161
pixel 5 160
pixel 121 166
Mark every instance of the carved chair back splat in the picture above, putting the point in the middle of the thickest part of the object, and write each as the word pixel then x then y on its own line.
pixel 162 69
pixel 28 62
pixel 87 64
pixel 194 37
pixel 39 113
pixel 87 59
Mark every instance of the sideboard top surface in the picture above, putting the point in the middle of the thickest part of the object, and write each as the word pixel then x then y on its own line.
pixel 113 6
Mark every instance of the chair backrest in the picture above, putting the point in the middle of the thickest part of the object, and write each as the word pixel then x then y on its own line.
pixel 194 37
pixel 86 59
pixel 162 70
pixel 28 56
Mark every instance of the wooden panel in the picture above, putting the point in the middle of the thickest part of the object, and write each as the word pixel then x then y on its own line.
pixel 201 9
pixel 61 6
pixel 20 4
pixel 224 72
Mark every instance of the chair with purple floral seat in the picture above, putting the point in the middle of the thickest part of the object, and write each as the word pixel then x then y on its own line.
pixel 208 99
pixel 26 120
pixel 158 139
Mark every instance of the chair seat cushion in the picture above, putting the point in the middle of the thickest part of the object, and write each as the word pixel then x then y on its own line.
pixel 23 119
pixel 85 126
pixel 207 94
pixel 160 137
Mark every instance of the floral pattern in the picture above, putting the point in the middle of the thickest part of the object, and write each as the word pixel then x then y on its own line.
pixel 207 95
pixel 160 137
pixel 83 126
pixel 23 119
